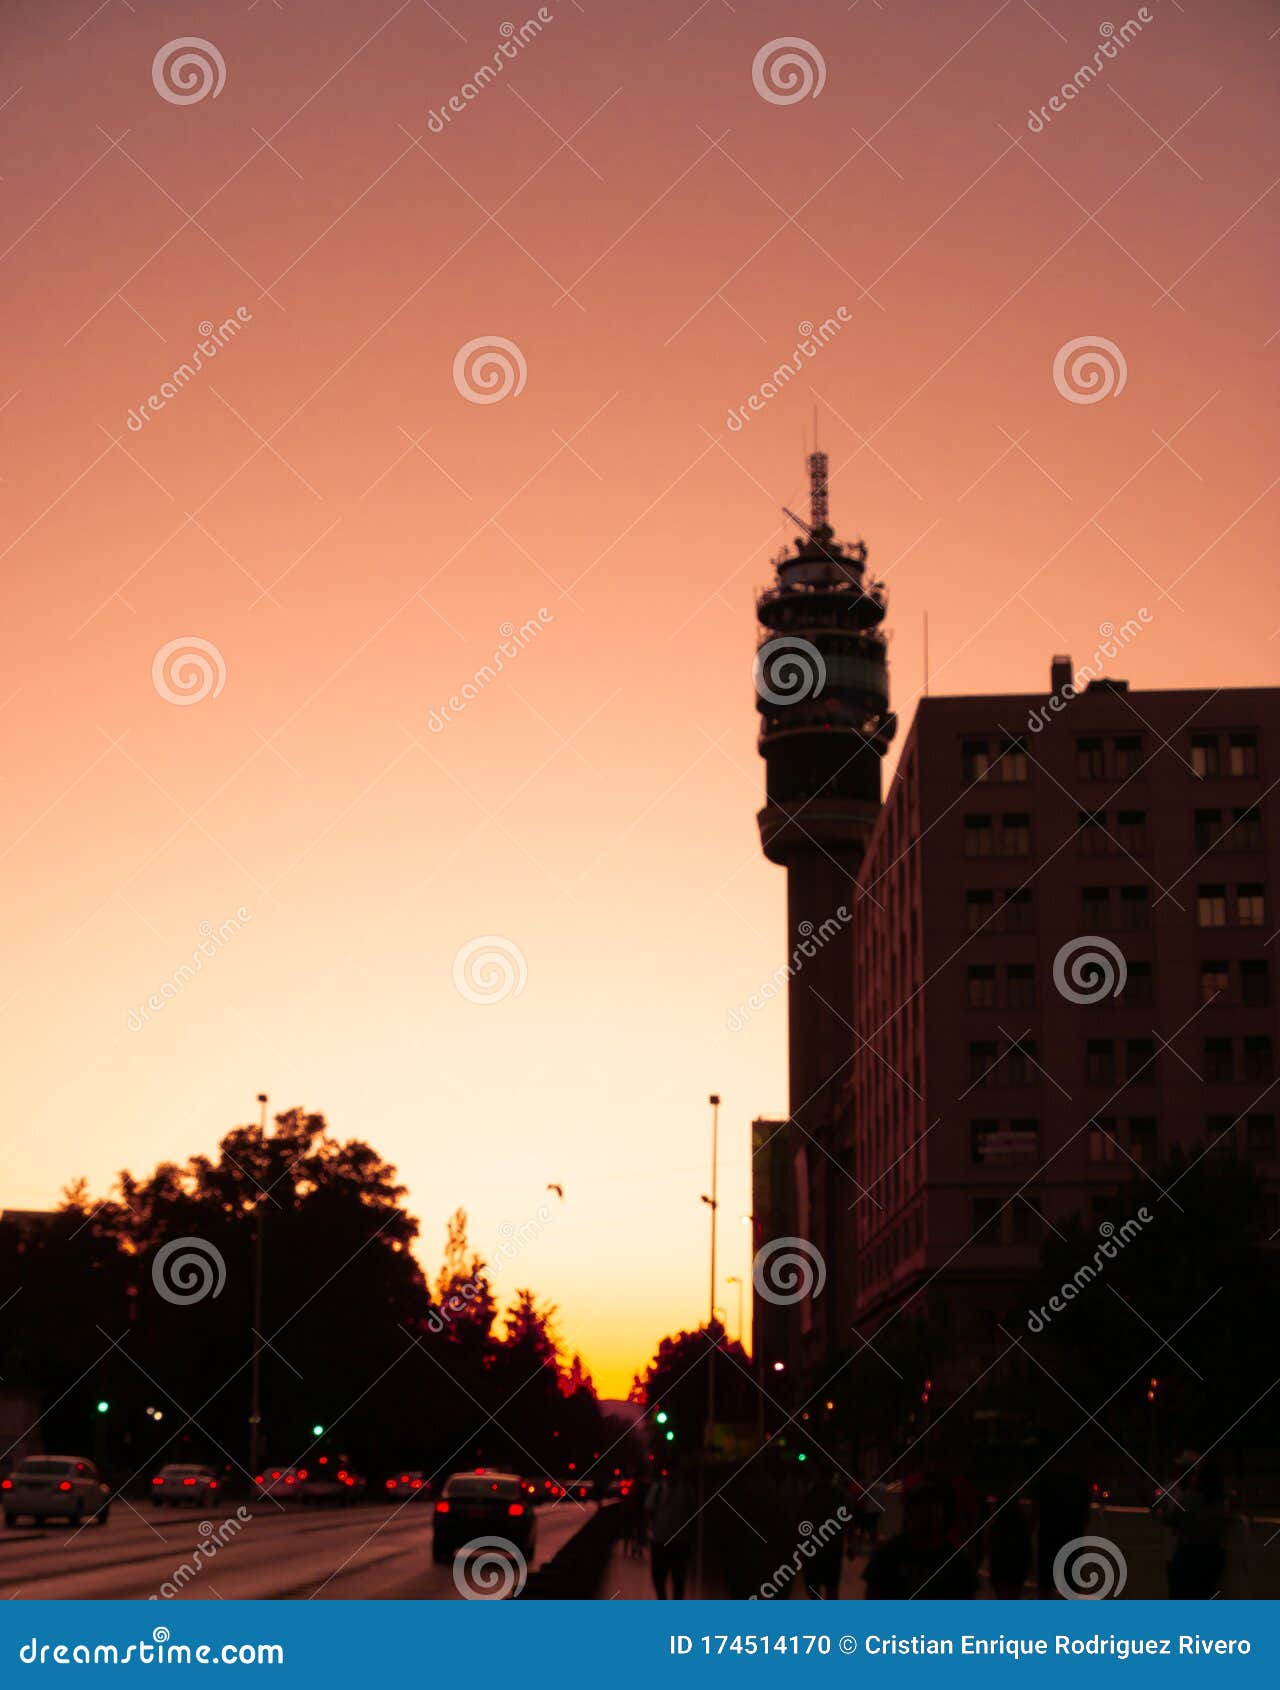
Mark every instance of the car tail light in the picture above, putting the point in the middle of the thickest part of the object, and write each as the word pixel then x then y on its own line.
pixel 404 1478
pixel 288 1478
pixel 391 1484
pixel 157 1481
pixel 302 1472
pixel 323 1460
pixel 442 1507
pixel 415 1484
pixel 188 1481
pixel 515 1509
pixel 6 1484
pixel 276 1474
pixel 65 1484
pixel 342 1472
pixel 213 1484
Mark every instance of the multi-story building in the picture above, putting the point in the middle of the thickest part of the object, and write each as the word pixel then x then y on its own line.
pixel 1063 976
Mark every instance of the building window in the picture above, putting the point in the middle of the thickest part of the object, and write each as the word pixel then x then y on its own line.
pixel 1131 829
pixel 1251 906
pixel 979 908
pixel 1204 755
pixel 1095 907
pixel 1246 829
pixel 982 1059
pixel 1018 910
pixel 1015 836
pixel 1211 906
pixel 981 988
pixel 1135 908
pixel 1092 839
pixel 1028 1227
pixel 1142 1138
pixel 1013 762
pixel 1103 1144
pixel 1100 1062
pixel 1208 829
pixel 1020 1063
pixel 1260 1137
pixel 1127 753
pixel 986 1218
pixel 1218 1064
pixel 1140 1061
pixel 981 1135
pixel 975 760
pixel 1089 759
pixel 1215 981
pixel 1020 985
pixel 1255 982
pixel 1137 985
pixel 1242 754
pixel 1257 1058
pixel 994 1146
pixel 977 836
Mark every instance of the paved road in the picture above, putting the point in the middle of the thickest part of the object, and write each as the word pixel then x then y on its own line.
pixel 372 1550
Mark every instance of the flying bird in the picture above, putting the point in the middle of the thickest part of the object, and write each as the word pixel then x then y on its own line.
pixel 559 1191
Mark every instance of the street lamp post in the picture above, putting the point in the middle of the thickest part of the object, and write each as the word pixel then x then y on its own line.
pixel 255 1375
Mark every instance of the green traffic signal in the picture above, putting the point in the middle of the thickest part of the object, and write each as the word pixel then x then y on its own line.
pixel 671 1437
pixel 103 1405
pixel 661 1417
pixel 317 1431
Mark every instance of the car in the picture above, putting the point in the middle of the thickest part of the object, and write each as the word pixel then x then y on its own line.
pixel 404 1487
pixel 179 1484
pixel 483 1504
pixel 55 1487
pixel 283 1483
pixel 329 1483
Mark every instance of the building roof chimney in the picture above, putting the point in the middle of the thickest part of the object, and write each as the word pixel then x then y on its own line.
pixel 1060 673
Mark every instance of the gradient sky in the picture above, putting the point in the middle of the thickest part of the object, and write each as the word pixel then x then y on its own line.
pixel 325 507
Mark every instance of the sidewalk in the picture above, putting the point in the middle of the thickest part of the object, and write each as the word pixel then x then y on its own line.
pixel 627 1579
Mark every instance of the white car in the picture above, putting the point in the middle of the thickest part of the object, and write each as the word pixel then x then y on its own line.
pixel 49 1486
pixel 180 1483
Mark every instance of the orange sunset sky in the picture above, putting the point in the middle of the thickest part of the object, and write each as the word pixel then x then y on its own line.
pixel 350 531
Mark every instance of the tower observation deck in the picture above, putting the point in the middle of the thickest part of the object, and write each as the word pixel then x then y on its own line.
pixel 822 694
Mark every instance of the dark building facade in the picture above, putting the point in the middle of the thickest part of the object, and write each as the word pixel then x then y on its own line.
pixel 1062 977
pixel 823 701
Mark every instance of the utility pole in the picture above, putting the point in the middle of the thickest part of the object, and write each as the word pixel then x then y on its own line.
pixel 255 1375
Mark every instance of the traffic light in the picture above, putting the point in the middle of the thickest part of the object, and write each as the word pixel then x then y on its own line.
pixel 103 1405
pixel 317 1431
pixel 661 1417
